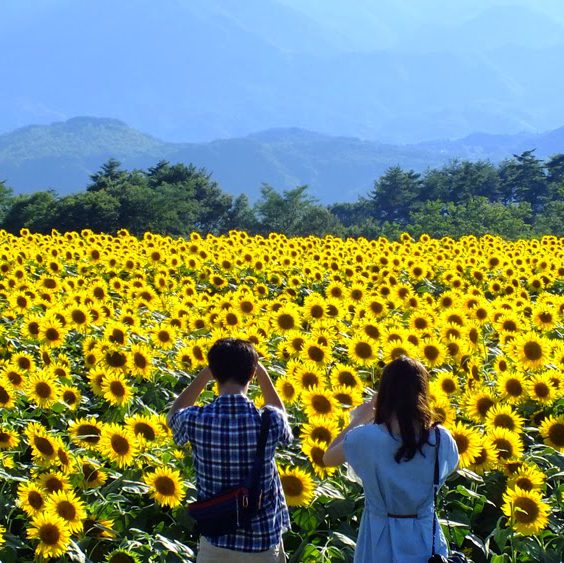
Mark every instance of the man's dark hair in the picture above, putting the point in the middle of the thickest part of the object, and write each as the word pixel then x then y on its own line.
pixel 232 359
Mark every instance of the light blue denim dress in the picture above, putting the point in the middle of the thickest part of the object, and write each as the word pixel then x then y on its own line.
pixel 402 489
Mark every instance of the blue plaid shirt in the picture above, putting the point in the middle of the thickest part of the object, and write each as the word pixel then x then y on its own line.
pixel 224 437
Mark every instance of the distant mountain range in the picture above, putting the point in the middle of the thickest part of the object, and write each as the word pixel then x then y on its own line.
pixel 398 71
pixel 63 155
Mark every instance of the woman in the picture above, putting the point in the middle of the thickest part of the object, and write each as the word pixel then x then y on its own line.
pixel 390 445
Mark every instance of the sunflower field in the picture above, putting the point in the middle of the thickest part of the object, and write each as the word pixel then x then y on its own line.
pixel 99 333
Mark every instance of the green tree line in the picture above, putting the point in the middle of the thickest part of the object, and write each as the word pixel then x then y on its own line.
pixel 520 197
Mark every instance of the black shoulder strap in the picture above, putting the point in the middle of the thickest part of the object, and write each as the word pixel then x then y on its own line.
pixel 436 483
pixel 261 445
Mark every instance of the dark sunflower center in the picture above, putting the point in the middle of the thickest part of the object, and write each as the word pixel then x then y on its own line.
pixel 448 386
pixel 286 322
pixel 556 434
pixel 346 378
pixel 52 334
pixel 533 351
pixel 293 487
pixel 316 353
pixel 49 534
pixel 78 317
pixel 431 353
pixel 117 389
pixel 514 387
pixel 120 445
pixel 483 405
pixel 363 350
pixel 321 434
pixel 44 446
pixel 165 485
pixel 527 512
pixel 66 510
pixel 43 389
pixel 505 421
pixel 321 404
pixel 35 500
pixel 89 433
pixel 288 390
pixel 541 390
pixel 147 431
pixel 504 448
pixel 462 442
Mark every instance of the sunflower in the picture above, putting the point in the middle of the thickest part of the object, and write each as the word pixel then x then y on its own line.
pixel 347 397
pixel 314 451
pixel 486 458
pixel 442 410
pixel 116 389
pixel 343 375
pixel 31 498
pixel 468 442
pixel 6 393
pixel 394 349
pixel 166 486
pixel 478 402
pixel 507 443
pixel 53 535
pixel 67 506
pixel 511 386
pixel 318 401
pixel 531 350
pixel 53 481
pixel 71 396
pixel 526 510
pixel 115 357
pixel 362 351
pixel 446 383
pixel 552 431
pixel 540 388
pixel 23 361
pixel 93 475
pixel 320 429
pixel 122 556
pixel 43 446
pixel 85 432
pixel 503 416
pixel 118 444
pixel 295 341
pixel 78 316
pixel 9 439
pixel 286 318
pixel 527 478
pixel 288 389
pixel 140 360
pixel 298 486
pixel 312 351
pixel 431 352
pixel 308 375
pixel 98 527
pixel 544 317
pixel 145 428
pixel 52 332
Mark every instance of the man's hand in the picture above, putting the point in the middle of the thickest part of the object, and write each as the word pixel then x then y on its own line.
pixel 190 395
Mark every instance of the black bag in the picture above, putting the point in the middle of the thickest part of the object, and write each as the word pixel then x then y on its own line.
pixel 455 556
pixel 233 508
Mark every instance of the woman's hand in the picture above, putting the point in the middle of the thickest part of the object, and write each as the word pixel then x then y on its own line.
pixel 363 414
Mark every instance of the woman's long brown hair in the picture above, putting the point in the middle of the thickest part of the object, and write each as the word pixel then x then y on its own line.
pixel 404 392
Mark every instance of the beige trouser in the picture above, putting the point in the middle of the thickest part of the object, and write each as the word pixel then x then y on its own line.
pixel 209 553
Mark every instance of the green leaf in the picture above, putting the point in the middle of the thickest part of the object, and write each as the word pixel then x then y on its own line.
pixel 345 540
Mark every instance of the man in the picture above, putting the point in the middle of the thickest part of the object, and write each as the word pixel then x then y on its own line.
pixel 223 436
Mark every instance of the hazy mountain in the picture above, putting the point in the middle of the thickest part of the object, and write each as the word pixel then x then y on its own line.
pixel 64 154
pixel 394 70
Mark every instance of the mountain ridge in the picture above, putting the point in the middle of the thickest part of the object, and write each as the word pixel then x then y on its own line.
pixel 63 155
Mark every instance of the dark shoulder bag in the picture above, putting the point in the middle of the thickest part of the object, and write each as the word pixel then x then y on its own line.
pixel 455 556
pixel 234 507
